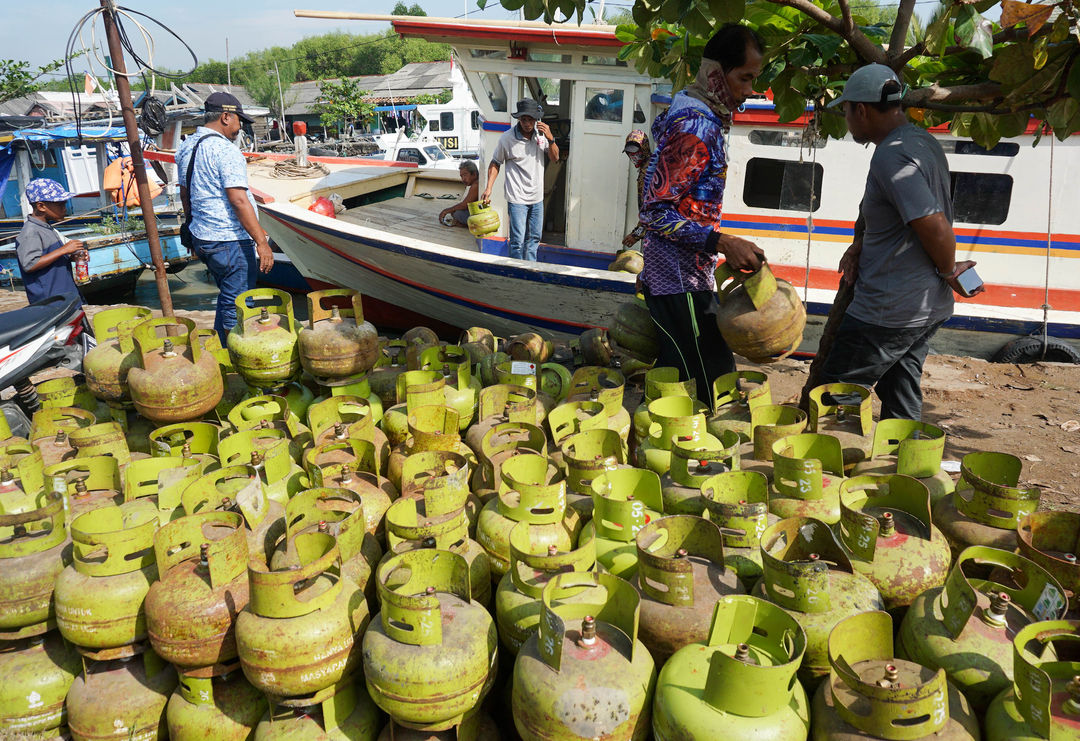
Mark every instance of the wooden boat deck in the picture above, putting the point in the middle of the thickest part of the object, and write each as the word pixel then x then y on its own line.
pixel 412 217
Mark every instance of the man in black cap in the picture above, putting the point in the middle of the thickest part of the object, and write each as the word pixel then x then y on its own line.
pixel 521 150
pixel 220 211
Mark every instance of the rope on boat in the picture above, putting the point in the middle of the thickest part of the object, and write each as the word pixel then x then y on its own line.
pixel 1049 243
pixel 812 129
pixel 290 169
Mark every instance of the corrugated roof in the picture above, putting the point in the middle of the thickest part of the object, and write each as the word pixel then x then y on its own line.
pixel 415 78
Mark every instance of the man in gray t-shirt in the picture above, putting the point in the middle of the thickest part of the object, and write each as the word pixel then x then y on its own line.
pixel 903 258
pixel 521 151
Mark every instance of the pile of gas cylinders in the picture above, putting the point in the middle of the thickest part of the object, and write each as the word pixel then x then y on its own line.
pixel 317 533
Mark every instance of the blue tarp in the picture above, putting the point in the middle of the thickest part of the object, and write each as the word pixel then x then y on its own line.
pixel 68 131
pixel 391 108
pixel 7 159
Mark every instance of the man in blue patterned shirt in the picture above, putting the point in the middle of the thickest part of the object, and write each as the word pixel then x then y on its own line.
pixel 224 223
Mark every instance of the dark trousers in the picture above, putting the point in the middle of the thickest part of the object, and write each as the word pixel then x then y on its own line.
pixel 890 359
pixel 234 267
pixel 690 339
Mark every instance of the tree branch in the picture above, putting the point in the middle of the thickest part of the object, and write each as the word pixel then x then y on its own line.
pixel 845 16
pixel 929 97
pixel 858 41
pixel 900 29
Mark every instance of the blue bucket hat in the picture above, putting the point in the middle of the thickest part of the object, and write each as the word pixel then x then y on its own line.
pixel 45 190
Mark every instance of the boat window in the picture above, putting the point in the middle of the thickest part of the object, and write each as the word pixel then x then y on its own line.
pixel 769 138
pixel 475 120
pixel 1002 149
pixel 495 87
pixel 607 61
pixel 543 89
pixel 411 154
pixel 487 53
pixel 534 56
pixel 981 197
pixel 433 124
pixel 639 115
pixel 603 104
pixel 446 121
pixel 434 153
pixel 782 184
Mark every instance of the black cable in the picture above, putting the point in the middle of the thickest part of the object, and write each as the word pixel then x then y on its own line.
pixel 129 48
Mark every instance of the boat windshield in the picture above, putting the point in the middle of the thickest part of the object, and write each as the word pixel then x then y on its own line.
pixel 435 153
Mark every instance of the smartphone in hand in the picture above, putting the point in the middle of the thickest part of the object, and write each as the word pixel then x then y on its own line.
pixel 969 282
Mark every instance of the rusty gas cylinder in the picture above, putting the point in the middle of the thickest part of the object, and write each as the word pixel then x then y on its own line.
pixel 462 389
pixel 263 343
pixel 224 707
pixel 585 455
pixel 268 412
pixel 739 682
pixel 738 502
pixel 106 366
pixel 844 411
pixel 51 431
pixel 345 712
pixel 633 332
pixel 353 465
pixel 338 418
pixel 987 503
pixel 299 633
pixel 694 459
pixel 1050 539
pixel 34 549
pixel 966 626
pixel 502 442
pixel 22 479
pixel 681 575
pixel 503 403
pixel 760 316
pixel 529 347
pixel 872 694
pixel 99 597
pixel 659 382
pixel 807 472
pixel 121 698
pixel 337 342
pixel 911 448
pixel 671 417
pixel 37 672
pixel 415 389
pixel 734 396
pixel 592 347
pixel 478 726
pixel 624 501
pixel 627 261
pixel 584 674
pixel 269 452
pixel 807 573
pixel 447 468
pixel 886 529
pixel 389 364
pixel 158 484
pixel 86 483
pixel 1044 699
pixel 175 379
pixel 431 428
pixel 605 385
pixel 769 423
pixel 430 656
pixel 201 439
pixel 191 609
pixel 238 489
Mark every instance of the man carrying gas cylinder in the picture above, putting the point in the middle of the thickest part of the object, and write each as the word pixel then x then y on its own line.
pixel 681 210
pixel 903 258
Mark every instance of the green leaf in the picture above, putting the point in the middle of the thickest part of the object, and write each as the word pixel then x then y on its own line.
pixel 1012 65
pixel 984 130
pixel 961 124
pixel 827 45
pixel 1039 52
pixel 727 11
pixel 1064 117
pixel 974 31
pixel 642 15
pixel 512 4
pixel 627 33
pixel 833 124
pixel 1033 88
pixel 937 37
pixel 1060 30
pixel 481 4
pixel 672 10
pixel 1013 124
pixel 696 23
pixel 1073 84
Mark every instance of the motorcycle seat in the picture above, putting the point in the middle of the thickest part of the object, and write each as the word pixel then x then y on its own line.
pixel 21 325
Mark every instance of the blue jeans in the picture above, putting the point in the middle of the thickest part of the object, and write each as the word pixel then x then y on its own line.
pixel 526 224
pixel 234 267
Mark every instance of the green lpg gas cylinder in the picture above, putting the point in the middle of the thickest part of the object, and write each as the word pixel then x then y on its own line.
pixel 681 575
pixel 592 347
pixel 86 483
pixel 223 707
pixel 606 386
pixel 871 694
pixel 475 727
pixel 885 527
pixel 384 374
pixel 482 219
pixel 502 442
pixel 51 429
pixel 186 439
pixel 191 609
pixel 1044 699
pixel 738 502
pixel 500 403
pixel 633 332
pixel 844 411
pixel 1051 540
pixel 739 682
pixel 735 396
pixel 159 483
pixel 431 428
pixel 22 480
pixel 807 573
pixel 532 565
pixel 759 315
pixel 585 674
pixel 337 342
pixel 585 456
pixel 966 626
pixel 238 489
pixel 37 673
pixel 357 385
pixel 448 468
pixel 269 412
pixel 34 549
pixel 263 343
pixel 99 597
pixel 911 448
pixel 299 633
pixel 572 417
pixel 807 472
pixel 429 658
pixel 415 389
pixel 104 438
pixel 987 504
pixel 672 417
pixel 342 417
pixel 122 698
pixel 106 366
pixel 343 713
pixel 624 501
pixel 268 452
pixel 175 379
pixel 357 472
pixel 462 390
pixel 659 382
pixel 694 459
pixel 769 423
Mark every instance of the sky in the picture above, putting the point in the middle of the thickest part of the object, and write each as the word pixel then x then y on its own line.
pixel 38 32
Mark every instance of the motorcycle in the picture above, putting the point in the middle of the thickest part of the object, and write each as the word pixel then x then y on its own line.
pixel 52 333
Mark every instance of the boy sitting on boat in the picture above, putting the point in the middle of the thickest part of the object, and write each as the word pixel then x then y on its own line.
pixel 459 212
pixel 44 257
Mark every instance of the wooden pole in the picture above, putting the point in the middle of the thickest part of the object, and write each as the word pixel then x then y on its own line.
pixel 123 89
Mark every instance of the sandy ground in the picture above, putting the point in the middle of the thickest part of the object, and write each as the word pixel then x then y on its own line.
pixel 1032 411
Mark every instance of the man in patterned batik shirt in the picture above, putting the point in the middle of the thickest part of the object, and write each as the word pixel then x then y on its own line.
pixel 224 224
pixel 682 208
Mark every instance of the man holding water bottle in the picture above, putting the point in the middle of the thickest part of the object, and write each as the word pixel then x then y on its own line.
pixel 44 256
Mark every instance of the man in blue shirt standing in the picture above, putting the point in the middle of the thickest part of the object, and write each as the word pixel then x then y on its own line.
pixel 224 224
pixel 44 257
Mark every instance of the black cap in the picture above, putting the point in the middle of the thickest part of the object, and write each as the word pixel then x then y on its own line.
pixel 226 103
pixel 528 107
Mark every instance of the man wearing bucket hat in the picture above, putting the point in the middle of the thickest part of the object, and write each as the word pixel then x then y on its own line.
pixel 903 259
pixel 521 150
pixel 44 257
pixel 221 217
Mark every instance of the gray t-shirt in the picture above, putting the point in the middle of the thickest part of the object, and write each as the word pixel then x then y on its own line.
pixel 34 240
pixel 522 163
pixel 898 285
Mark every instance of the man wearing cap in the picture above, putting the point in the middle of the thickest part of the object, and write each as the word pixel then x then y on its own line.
pixel 521 150
pixel 903 258
pixel 224 225
pixel 44 257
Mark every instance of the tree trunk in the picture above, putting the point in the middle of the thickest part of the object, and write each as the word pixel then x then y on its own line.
pixel 844 294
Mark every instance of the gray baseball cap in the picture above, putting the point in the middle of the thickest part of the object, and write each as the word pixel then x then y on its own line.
pixel 865 83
